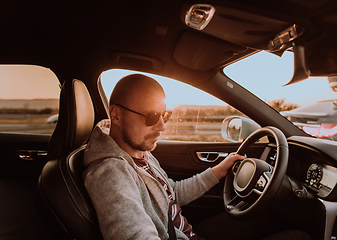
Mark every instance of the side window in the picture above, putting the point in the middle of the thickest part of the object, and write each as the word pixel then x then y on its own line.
pixel 29 99
pixel 197 115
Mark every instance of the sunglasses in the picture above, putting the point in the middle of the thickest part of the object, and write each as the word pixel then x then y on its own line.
pixel 151 118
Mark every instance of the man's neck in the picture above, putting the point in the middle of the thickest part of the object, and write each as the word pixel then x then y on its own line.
pixel 132 152
pixel 137 154
pixel 124 146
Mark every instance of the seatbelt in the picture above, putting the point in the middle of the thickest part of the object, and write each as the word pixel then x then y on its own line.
pixel 171 231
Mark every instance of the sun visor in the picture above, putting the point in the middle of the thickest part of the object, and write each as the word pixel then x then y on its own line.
pixel 203 52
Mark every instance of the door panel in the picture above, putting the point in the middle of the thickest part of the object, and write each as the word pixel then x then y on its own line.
pixel 21 161
pixel 181 160
pixel 22 154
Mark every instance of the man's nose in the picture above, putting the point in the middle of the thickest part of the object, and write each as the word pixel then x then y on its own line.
pixel 160 125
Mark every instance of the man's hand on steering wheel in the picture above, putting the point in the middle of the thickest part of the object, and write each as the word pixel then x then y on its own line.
pixel 220 170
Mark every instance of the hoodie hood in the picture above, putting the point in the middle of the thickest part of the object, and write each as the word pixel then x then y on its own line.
pixel 102 146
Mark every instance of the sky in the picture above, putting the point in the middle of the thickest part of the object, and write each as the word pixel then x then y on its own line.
pixel 264 74
pixel 27 82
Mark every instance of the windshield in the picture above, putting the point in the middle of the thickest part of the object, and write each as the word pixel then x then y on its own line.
pixel 265 76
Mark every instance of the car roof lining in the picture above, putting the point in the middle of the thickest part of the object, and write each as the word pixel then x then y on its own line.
pixel 76 40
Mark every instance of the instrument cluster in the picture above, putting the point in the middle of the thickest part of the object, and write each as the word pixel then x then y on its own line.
pixel 322 178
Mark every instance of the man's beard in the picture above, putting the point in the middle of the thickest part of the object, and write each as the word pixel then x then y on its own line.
pixel 143 146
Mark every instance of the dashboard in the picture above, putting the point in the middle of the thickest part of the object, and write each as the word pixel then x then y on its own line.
pixel 309 165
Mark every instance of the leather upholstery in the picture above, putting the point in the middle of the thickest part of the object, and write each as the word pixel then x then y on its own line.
pixel 76 119
pixel 61 198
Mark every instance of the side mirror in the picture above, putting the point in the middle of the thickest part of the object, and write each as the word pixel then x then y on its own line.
pixel 236 129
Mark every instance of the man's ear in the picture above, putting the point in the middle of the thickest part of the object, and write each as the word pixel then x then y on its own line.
pixel 114 114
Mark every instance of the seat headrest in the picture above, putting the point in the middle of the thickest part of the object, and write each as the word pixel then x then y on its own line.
pixel 76 119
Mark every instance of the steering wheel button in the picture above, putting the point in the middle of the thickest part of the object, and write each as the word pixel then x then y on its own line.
pixel 261 183
pixel 230 207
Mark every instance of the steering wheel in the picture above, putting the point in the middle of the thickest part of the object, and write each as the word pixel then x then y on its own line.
pixel 252 182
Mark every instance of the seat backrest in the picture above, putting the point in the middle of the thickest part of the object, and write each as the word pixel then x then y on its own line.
pixel 61 198
pixel 75 121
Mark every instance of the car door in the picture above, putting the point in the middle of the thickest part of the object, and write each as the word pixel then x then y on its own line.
pixel 26 103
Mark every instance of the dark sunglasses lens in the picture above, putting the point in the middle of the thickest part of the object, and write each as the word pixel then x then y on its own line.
pixel 152 118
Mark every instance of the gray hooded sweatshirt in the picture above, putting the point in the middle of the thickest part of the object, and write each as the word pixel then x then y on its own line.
pixel 129 202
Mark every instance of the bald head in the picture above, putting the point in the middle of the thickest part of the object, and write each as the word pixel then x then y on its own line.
pixel 137 113
pixel 136 85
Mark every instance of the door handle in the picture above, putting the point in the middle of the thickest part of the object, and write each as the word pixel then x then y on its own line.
pixel 31 154
pixel 211 156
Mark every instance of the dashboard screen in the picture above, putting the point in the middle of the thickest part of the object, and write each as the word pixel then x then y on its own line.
pixel 322 178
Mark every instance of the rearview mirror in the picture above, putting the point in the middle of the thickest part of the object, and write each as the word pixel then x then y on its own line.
pixel 236 129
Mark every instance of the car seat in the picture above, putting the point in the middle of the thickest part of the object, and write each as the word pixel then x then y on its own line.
pixel 61 198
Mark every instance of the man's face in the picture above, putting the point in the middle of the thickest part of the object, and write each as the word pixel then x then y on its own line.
pixel 134 131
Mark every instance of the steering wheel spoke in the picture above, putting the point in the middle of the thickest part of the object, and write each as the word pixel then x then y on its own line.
pixel 236 166
pixel 236 204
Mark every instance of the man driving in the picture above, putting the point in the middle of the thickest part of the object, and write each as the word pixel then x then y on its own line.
pixel 132 195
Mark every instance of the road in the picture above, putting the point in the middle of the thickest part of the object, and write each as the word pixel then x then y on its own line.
pixel 32 128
